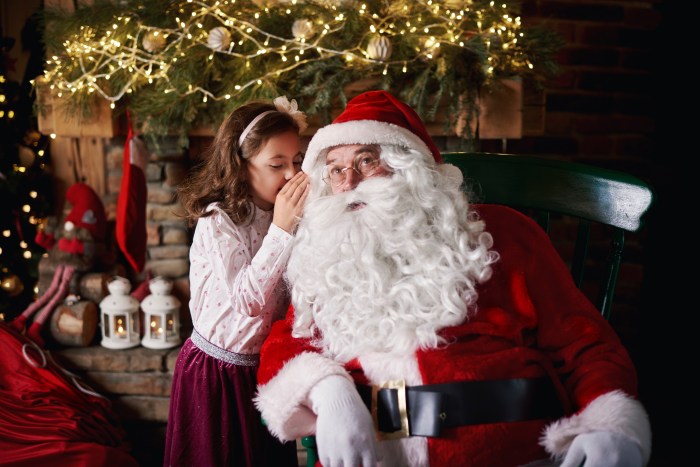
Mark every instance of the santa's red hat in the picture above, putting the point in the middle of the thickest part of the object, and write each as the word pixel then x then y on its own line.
pixel 373 117
pixel 88 211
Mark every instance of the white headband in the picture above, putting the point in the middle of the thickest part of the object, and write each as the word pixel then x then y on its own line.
pixel 282 104
pixel 251 125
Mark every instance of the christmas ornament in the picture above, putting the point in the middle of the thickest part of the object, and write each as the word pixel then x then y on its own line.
pixel 379 48
pixel 219 39
pixel 302 29
pixel 27 157
pixel 153 42
pixel 12 285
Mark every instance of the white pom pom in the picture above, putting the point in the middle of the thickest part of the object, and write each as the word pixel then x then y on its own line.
pixel 219 39
pixel 452 174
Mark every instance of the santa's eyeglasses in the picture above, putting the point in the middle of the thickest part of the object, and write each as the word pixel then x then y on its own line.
pixel 365 165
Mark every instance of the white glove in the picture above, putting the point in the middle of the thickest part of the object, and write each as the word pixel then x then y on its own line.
pixel 603 449
pixel 344 427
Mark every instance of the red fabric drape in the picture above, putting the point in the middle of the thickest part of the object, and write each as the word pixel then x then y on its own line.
pixel 48 417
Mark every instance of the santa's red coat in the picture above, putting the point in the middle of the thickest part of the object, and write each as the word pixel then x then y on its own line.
pixel 532 321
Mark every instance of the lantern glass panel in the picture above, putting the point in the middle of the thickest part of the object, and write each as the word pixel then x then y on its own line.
pixel 120 326
pixel 156 327
pixel 169 326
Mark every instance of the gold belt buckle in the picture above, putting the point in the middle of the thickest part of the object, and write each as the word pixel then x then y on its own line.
pixel 403 432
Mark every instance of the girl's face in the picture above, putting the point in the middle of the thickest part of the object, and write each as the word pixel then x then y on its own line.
pixel 276 163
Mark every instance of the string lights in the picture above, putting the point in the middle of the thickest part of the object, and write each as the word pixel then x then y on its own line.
pixel 192 57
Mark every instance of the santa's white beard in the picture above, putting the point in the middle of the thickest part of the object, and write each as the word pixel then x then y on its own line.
pixel 387 276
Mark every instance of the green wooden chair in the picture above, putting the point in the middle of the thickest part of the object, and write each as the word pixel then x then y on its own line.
pixel 550 189
pixel 545 188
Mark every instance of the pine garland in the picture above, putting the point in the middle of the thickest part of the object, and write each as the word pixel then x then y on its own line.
pixel 155 58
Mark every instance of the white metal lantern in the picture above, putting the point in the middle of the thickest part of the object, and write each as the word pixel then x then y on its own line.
pixel 161 316
pixel 119 315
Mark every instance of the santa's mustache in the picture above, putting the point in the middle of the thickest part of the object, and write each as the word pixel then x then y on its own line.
pixel 372 198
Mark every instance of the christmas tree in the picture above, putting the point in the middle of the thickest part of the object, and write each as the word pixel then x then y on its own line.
pixel 25 189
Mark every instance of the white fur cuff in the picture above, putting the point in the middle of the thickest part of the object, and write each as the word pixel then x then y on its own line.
pixel 283 401
pixel 615 412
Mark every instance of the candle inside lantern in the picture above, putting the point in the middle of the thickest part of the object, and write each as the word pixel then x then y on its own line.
pixel 156 328
pixel 120 326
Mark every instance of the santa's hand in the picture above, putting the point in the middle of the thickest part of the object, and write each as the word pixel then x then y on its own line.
pixel 344 428
pixel 603 449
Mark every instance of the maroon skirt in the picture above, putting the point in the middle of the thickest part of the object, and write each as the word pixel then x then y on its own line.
pixel 212 420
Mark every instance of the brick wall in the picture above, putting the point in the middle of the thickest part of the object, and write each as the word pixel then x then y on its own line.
pixel 167 235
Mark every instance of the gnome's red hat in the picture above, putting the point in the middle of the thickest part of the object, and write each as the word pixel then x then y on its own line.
pixel 373 117
pixel 88 211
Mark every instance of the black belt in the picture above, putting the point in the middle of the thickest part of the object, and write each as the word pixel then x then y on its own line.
pixel 401 411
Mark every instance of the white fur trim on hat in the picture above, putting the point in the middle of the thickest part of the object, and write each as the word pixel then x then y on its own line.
pixel 614 411
pixel 283 401
pixel 361 132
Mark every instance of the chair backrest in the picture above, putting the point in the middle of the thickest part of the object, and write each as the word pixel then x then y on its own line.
pixel 545 187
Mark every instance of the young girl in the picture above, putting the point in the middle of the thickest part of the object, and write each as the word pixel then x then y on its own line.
pixel 245 199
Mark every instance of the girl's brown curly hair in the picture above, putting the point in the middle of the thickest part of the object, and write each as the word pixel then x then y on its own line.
pixel 222 175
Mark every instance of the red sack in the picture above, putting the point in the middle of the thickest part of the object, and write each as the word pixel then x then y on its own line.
pixel 48 417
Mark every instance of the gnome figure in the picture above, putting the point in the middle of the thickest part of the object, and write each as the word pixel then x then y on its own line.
pixel 80 244
pixel 84 227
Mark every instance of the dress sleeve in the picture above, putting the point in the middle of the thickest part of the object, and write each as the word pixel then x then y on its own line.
pixel 250 280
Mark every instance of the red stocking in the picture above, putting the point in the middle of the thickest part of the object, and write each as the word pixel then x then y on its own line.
pixel 34 332
pixel 19 322
pixel 131 204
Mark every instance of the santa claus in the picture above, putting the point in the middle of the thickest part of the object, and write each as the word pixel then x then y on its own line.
pixel 428 331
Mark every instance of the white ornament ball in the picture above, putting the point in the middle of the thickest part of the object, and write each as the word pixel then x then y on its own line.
pixel 153 41
pixel 379 48
pixel 219 39
pixel 302 29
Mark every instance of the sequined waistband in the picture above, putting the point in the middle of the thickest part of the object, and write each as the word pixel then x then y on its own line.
pixel 222 354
